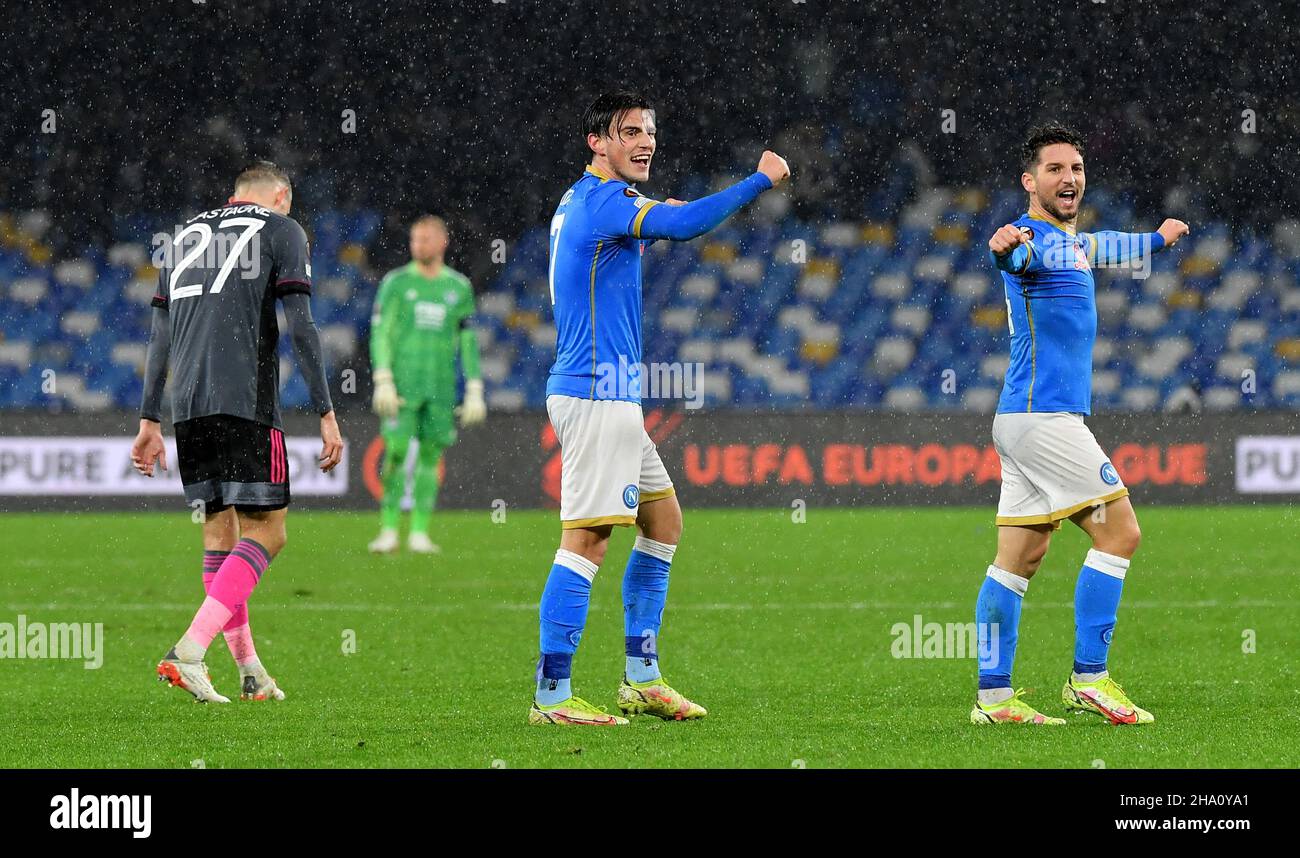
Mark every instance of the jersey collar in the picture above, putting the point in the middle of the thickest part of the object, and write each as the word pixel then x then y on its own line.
pixel 600 174
pixel 413 267
pixel 1045 218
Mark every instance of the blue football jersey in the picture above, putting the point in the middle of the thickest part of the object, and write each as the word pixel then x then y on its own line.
pixel 1052 311
pixel 595 277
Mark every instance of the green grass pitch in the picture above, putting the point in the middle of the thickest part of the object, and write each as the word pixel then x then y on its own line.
pixel 781 629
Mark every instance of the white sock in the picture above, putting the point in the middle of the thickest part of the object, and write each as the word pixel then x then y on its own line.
pixel 662 550
pixel 1087 677
pixel 1108 564
pixel 188 650
pixel 576 563
pixel 1013 582
pixel 991 696
pixel 1017 585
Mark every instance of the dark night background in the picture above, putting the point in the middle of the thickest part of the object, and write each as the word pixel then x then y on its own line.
pixel 470 108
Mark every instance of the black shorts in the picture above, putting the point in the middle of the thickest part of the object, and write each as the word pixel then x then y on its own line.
pixel 229 461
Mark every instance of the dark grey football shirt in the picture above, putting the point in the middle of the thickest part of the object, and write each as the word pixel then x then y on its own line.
pixel 219 283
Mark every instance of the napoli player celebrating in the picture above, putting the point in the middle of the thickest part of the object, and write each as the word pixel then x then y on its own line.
pixel 1052 467
pixel 611 473
pixel 215 323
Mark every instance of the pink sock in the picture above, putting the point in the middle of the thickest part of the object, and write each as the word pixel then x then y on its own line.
pixel 207 623
pixel 240 641
pixel 230 588
pixel 212 561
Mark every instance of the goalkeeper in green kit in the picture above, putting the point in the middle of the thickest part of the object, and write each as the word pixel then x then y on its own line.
pixel 419 326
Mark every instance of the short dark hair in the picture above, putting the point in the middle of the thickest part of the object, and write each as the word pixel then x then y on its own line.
pixel 608 107
pixel 262 173
pixel 1045 135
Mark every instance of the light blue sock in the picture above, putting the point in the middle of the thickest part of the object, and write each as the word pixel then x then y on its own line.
pixel 645 590
pixel 563 617
pixel 1096 607
pixel 997 624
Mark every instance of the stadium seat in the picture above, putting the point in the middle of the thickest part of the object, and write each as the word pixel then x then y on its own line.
pixel 847 314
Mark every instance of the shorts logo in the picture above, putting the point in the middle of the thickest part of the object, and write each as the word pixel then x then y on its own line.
pixel 1108 475
pixel 631 496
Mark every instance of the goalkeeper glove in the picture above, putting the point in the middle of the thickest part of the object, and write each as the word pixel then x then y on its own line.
pixel 473 409
pixel 385 401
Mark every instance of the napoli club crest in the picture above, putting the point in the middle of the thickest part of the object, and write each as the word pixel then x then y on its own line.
pixel 631 496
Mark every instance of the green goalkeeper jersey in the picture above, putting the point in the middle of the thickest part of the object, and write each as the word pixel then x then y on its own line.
pixel 418 326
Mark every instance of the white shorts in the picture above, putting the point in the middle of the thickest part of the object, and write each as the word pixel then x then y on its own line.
pixel 1052 467
pixel 608 464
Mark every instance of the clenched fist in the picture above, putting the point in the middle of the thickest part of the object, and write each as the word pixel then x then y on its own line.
pixel 1172 230
pixel 1007 239
pixel 774 167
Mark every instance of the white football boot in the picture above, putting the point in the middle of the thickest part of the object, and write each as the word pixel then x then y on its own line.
pixel 421 544
pixel 192 676
pixel 386 543
pixel 256 684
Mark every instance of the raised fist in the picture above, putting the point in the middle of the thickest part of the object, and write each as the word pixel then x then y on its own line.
pixel 774 167
pixel 1007 239
pixel 1172 230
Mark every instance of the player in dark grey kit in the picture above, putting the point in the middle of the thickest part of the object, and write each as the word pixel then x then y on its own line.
pixel 215 318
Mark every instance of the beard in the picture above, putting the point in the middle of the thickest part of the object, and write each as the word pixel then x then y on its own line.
pixel 1053 208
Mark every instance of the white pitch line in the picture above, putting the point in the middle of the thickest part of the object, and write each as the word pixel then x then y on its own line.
pixel 332 607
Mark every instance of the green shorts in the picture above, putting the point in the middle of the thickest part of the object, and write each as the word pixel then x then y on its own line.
pixel 430 422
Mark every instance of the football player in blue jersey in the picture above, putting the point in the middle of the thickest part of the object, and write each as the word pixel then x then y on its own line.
pixel 611 473
pixel 1052 467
